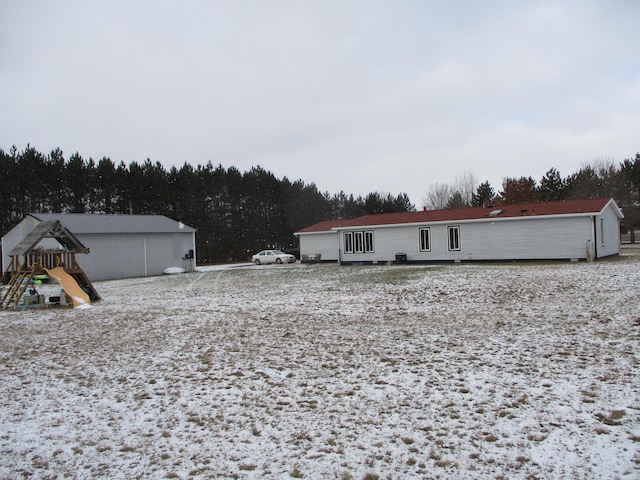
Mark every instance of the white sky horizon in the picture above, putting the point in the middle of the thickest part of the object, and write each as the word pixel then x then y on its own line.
pixel 352 96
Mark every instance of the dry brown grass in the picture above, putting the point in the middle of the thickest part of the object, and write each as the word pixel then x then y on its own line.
pixel 457 371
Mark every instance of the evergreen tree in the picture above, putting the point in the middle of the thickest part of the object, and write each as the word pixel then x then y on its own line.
pixel 152 188
pixel 104 196
pixel 126 190
pixel 552 186
pixel 583 184
pixel 8 213
pixel 630 169
pixel 55 182
pixel 402 203
pixel 519 190
pixel 484 196
pixel 456 201
pixel 77 182
pixel 29 178
pixel 345 206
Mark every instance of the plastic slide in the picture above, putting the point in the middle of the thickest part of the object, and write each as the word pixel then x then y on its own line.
pixel 70 286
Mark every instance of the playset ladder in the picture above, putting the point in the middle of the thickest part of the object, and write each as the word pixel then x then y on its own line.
pixel 13 290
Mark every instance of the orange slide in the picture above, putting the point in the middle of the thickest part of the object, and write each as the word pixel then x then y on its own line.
pixel 70 286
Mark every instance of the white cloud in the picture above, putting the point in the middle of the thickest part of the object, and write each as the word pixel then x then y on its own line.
pixel 353 96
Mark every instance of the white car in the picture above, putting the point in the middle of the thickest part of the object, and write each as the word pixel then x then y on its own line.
pixel 272 256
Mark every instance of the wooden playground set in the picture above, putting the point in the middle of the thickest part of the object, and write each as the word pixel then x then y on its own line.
pixel 33 265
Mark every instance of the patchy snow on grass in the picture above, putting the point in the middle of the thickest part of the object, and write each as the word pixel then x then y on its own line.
pixel 321 371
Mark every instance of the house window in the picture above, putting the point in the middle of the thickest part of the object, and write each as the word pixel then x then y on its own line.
pixel 368 241
pixel 358 242
pixel 602 231
pixel 454 238
pixel 425 239
pixel 348 242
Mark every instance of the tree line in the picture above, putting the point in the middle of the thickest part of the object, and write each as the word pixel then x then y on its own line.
pixel 236 213
pixel 600 179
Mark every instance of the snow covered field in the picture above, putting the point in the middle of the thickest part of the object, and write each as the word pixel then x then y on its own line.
pixel 451 371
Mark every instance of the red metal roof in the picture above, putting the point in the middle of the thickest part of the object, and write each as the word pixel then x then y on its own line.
pixel 566 207
pixel 326 226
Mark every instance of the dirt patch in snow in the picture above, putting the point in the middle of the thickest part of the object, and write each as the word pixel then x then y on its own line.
pixel 455 371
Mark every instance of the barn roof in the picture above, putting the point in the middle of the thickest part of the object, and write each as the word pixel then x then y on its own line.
pixel 98 223
pixel 49 229
pixel 521 210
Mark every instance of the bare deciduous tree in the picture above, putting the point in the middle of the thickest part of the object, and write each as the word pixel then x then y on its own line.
pixel 460 194
pixel 438 196
pixel 466 184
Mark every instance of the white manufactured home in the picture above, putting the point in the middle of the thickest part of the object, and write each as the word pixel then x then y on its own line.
pixel 564 230
pixel 120 246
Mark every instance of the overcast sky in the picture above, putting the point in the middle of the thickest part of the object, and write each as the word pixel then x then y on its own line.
pixel 360 96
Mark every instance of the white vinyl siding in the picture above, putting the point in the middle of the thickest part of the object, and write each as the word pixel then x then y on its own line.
pixel 324 244
pixel 133 255
pixel 539 238
pixel 609 233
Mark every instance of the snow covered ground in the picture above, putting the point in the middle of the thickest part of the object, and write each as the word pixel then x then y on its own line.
pixel 320 371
